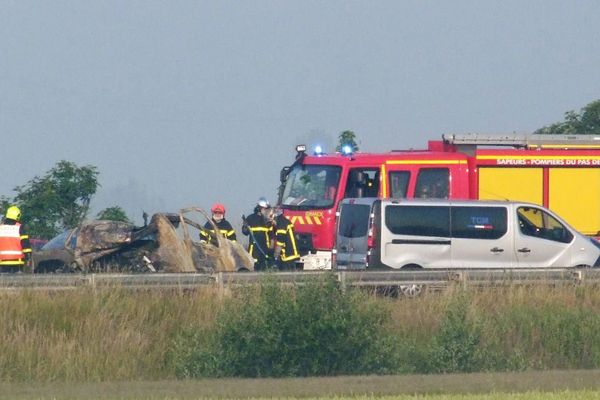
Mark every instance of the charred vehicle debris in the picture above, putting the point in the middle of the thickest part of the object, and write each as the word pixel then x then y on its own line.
pixel 168 243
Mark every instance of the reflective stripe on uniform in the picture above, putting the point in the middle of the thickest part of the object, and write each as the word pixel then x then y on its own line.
pixel 10 252
pixel 12 262
pixel 259 229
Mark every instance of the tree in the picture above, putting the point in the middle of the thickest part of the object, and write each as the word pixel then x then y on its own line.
pixel 58 200
pixel 114 213
pixel 587 122
pixel 347 138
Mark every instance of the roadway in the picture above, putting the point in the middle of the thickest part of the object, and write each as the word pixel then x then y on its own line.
pixel 431 279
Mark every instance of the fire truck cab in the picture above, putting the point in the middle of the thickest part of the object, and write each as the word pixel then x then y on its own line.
pixel 558 172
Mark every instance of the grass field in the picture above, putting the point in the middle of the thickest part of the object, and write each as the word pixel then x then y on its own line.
pixel 524 385
pixel 114 343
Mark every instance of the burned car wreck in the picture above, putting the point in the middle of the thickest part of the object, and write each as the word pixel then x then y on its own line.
pixel 168 243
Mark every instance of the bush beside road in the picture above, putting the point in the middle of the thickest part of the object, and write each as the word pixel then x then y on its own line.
pixel 112 334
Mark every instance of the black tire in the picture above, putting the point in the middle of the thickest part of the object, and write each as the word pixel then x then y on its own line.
pixel 411 267
pixel 412 290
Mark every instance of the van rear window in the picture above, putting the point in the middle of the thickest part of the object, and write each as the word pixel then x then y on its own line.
pixel 354 220
pixel 478 222
pixel 418 220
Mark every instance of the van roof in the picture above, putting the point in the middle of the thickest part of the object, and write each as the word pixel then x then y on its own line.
pixel 434 202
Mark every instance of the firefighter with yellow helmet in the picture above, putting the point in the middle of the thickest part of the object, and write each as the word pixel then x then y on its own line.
pixel 15 250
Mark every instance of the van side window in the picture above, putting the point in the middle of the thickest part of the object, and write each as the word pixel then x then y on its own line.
pixel 354 220
pixel 538 223
pixel 432 183
pixel 478 222
pixel 399 184
pixel 362 182
pixel 418 220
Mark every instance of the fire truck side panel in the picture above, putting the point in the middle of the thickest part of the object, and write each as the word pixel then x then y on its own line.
pixel 515 184
pixel 397 170
pixel 575 195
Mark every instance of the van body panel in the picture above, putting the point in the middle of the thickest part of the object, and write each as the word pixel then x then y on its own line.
pixel 352 233
pixel 457 234
pixel 482 236
pixel 408 252
pixel 538 253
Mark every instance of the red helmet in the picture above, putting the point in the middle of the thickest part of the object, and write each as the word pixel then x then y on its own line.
pixel 218 208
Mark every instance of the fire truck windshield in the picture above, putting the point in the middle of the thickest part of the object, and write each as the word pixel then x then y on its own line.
pixel 311 186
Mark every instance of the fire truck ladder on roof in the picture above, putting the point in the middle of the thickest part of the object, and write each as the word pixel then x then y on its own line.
pixel 525 141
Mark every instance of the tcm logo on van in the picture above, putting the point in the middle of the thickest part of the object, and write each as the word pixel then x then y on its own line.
pixel 309 218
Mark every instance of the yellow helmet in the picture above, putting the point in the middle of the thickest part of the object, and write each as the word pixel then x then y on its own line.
pixel 13 212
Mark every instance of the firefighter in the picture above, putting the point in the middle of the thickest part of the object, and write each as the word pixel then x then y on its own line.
pixel 286 251
pixel 208 233
pixel 15 250
pixel 259 229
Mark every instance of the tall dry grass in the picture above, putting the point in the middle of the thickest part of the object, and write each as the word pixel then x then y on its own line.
pixel 83 335
pixel 120 334
pixel 516 327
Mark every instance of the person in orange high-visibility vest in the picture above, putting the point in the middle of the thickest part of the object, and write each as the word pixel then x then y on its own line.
pixel 15 250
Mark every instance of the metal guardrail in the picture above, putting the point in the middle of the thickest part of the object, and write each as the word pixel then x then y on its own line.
pixel 435 279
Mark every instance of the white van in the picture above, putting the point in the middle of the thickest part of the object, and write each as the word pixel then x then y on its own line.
pixel 387 233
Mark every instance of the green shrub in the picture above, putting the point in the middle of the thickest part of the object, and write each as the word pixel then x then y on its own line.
pixel 456 346
pixel 273 331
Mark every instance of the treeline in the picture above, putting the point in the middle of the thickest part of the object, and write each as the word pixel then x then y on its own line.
pixel 269 330
pixel 59 199
pixel 585 122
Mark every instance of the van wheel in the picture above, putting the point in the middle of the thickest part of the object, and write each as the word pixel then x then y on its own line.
pixel 411 267
pixel 411 290
pixel 582 266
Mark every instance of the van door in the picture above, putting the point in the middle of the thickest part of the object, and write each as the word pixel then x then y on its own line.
pixel 415 236
pixel 481 237
pixel 542 240
pixel 352 235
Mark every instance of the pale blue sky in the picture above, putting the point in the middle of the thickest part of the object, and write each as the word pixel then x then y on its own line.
pixel 189 102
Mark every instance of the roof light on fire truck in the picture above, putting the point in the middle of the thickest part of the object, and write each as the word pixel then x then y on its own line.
pixel 347 149
pixel 318 150
pixel 301 148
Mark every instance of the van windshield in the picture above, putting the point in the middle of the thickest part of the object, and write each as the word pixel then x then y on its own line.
pixel 354 220
pixel 311 186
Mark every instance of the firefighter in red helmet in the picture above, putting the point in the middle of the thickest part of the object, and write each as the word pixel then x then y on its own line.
pixel 224 228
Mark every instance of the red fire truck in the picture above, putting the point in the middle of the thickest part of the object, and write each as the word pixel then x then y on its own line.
pixel 559 172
